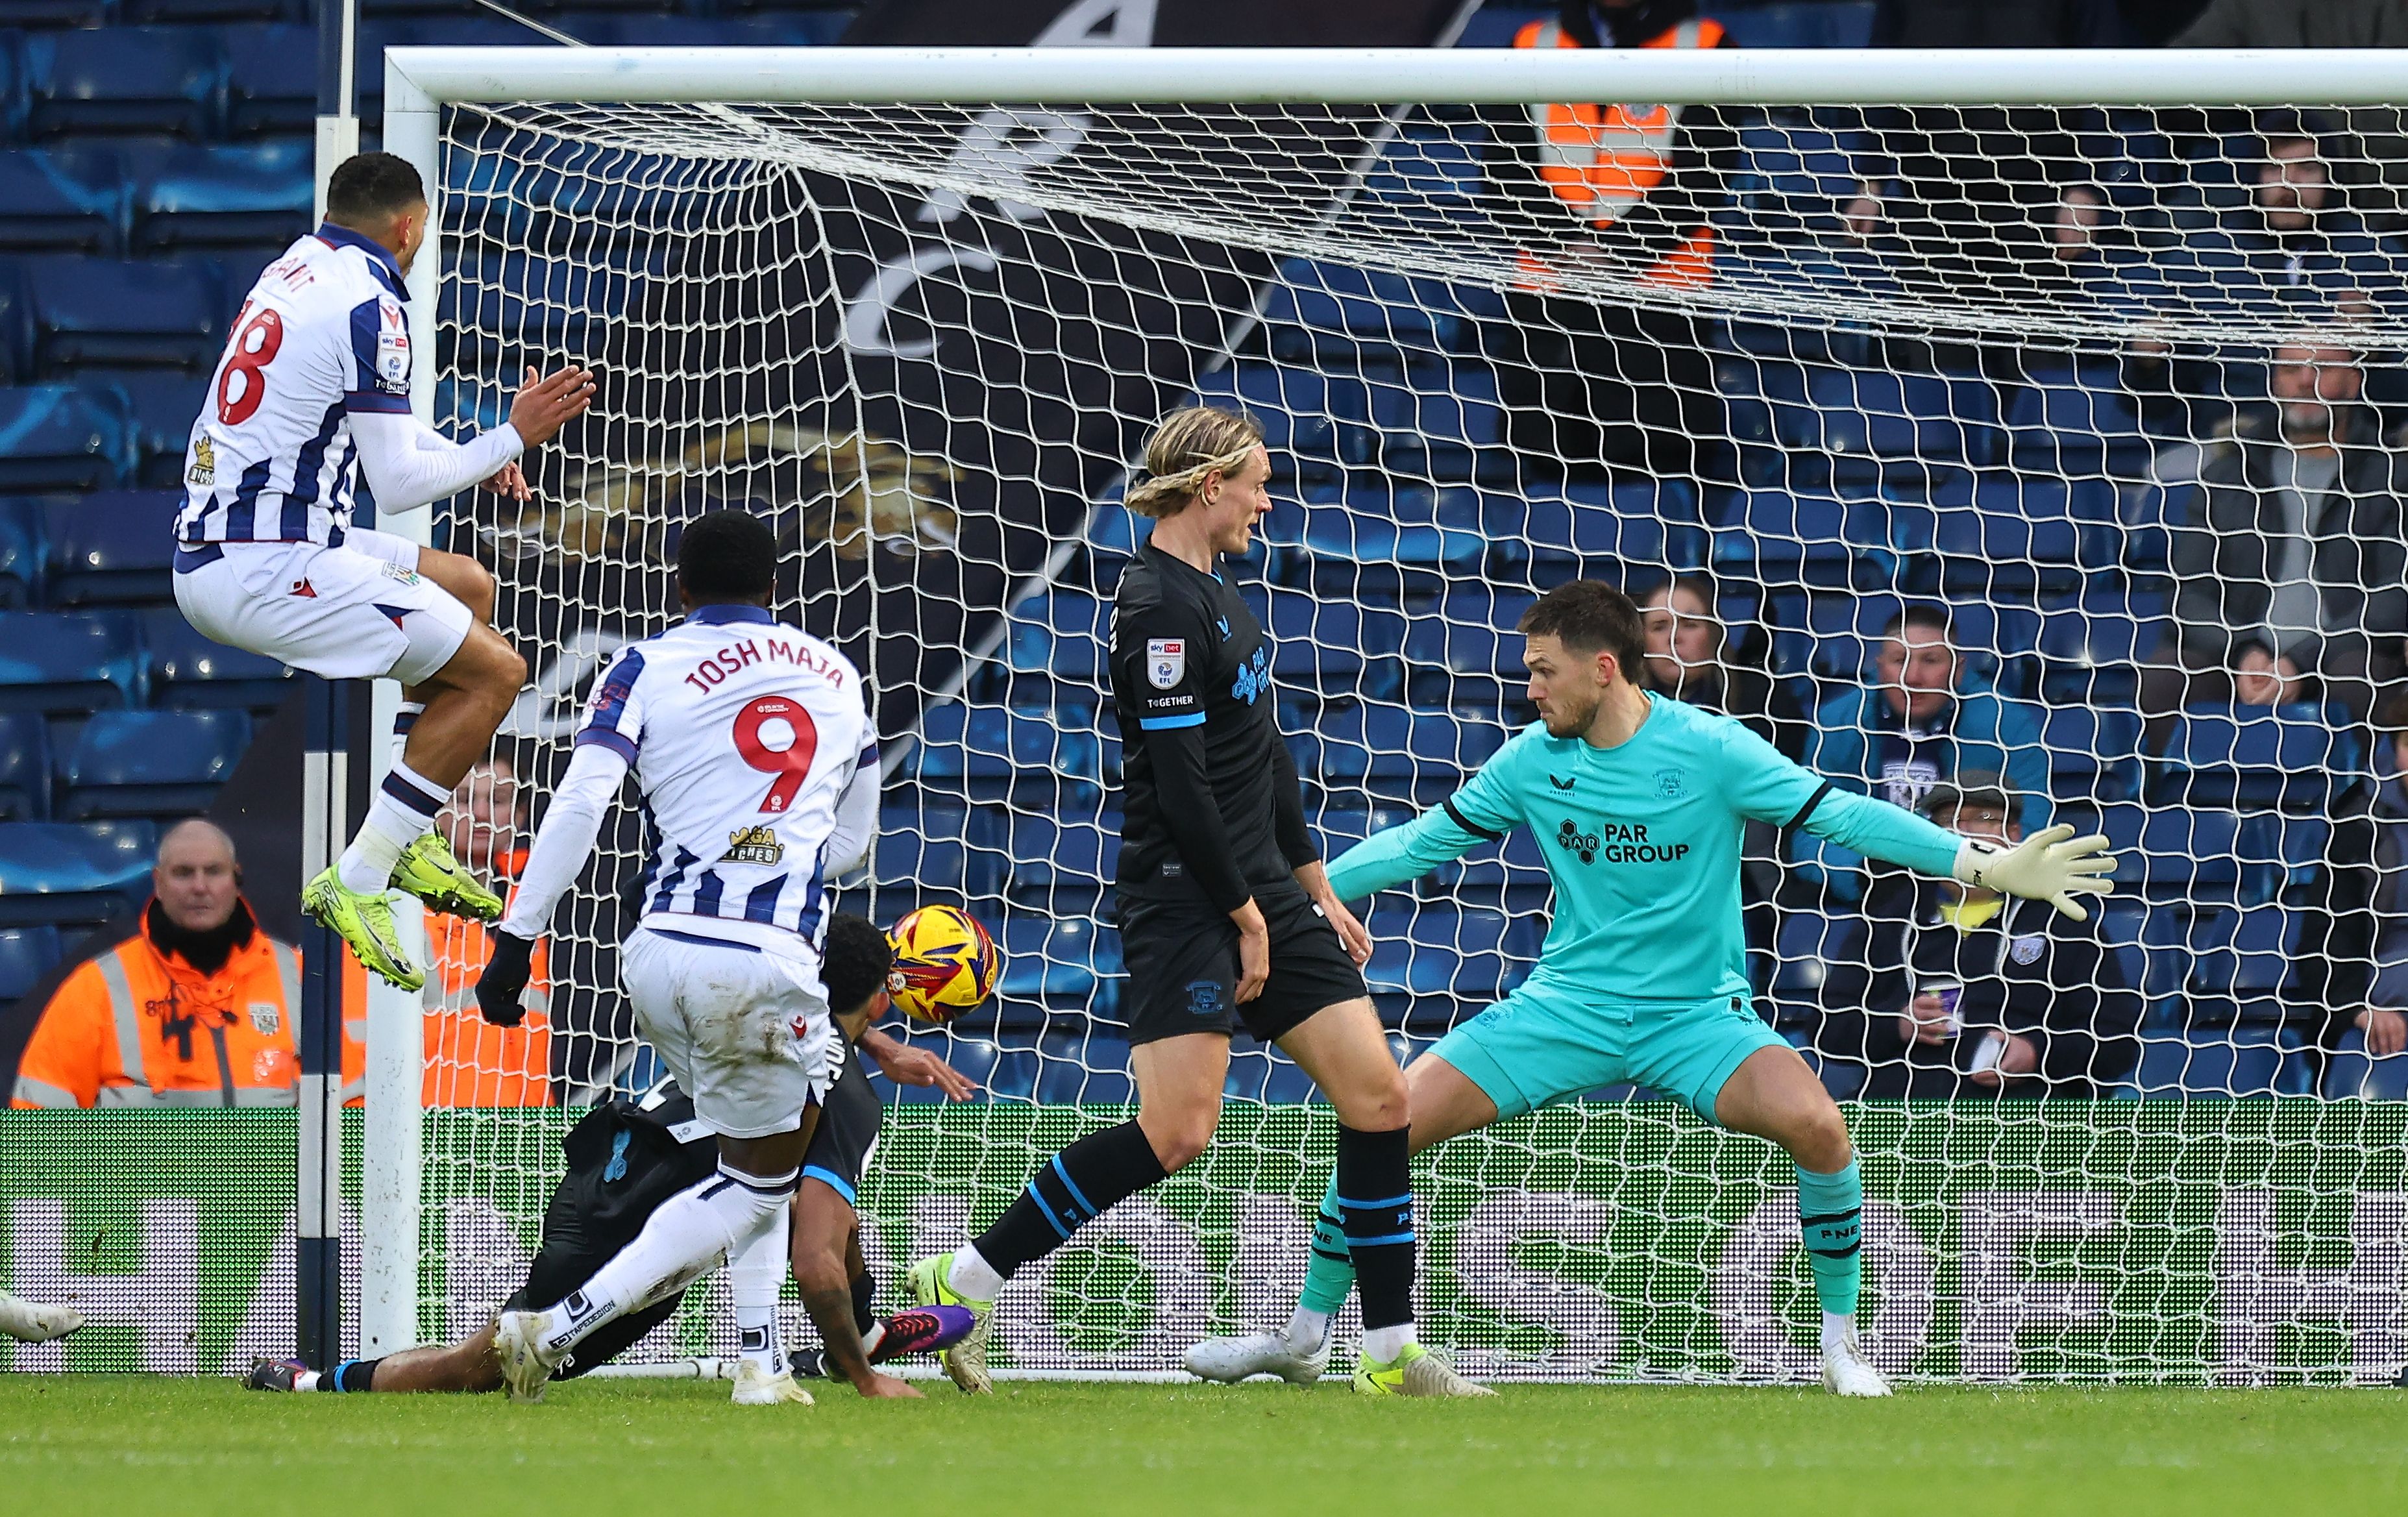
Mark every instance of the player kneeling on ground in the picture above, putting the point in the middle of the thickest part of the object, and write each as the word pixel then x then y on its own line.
pixel 1638 802
pixel 627 1159
pixel 313 395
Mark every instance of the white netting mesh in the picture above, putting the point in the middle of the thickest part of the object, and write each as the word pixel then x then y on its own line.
pixel 2114 389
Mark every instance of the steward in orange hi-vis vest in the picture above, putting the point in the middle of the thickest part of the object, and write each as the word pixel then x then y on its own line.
pixel 1648 174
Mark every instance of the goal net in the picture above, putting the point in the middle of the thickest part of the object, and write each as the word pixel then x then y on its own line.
pixel 2040 447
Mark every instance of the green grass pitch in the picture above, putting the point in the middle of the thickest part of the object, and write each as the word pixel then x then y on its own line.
pixel 677 1449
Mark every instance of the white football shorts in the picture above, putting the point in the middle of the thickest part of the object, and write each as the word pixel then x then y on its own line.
pixel 745 1030
pixel 360 611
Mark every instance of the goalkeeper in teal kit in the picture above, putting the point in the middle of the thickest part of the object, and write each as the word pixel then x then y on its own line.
pixel 1638 804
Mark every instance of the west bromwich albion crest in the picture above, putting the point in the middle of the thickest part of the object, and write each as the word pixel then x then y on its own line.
pixel 2027 949
pixel 1166 660
pixel 265 1017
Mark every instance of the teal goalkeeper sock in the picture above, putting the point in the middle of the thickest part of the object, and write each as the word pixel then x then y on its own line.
pixel 1331 1273
pixel 1830 1211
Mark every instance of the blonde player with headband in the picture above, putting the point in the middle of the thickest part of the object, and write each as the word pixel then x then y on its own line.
pixel 1227 921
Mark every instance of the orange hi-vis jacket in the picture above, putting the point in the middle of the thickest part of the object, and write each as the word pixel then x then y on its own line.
pixel 141 1027
pixel 1602 160
pixel 468 1061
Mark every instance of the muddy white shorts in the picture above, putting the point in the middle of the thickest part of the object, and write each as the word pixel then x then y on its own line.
pixel 745 1029
pixel 360 611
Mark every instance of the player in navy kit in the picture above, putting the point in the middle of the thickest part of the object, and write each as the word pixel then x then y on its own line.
pixel 1227 921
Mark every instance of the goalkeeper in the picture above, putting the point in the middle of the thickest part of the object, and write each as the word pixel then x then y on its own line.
pixel 1638 803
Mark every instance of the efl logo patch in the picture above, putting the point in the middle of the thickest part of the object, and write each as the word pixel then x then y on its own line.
pixel 1166 660
pixel 392 353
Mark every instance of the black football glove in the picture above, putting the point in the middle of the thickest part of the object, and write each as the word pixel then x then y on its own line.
pixel 505 980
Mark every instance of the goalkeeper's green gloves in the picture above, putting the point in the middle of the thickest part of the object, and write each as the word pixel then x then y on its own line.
pixel 2052 865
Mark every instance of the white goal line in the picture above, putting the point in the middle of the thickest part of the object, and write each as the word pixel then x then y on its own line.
pixel 419 77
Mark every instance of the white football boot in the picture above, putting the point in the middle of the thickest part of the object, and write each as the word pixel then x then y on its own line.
pixel 1230 1360
pixel 756 1387
pixel 26 1323
pixel 1846 1371
pixel 518 1345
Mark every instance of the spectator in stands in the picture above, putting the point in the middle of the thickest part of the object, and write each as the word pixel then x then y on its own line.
pixel 1692 658
pixel 1944 990
pixel 469 1061
pixel 199 1008
pixel 2298 235
pixel 2262 677
pixel 2377 170
pixel 1591 389
pixel 2382 1021
pixel 1916 723
pixel 2296 541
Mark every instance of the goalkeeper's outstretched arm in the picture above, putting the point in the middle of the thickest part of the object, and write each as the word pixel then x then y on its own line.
pixel 2051 865
pixel 1388 859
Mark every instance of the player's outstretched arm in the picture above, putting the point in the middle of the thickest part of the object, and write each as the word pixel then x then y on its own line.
pixel 409 464
pixel 2052 865
pixel 562 846
pixel 1388 859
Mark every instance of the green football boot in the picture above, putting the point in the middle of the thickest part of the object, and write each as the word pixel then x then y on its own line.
pixel 428 871
pixel 365 923
pixel 930 1284
pixel 1415 1373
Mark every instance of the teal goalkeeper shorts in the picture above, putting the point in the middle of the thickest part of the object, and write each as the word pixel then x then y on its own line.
pixel 1536 1047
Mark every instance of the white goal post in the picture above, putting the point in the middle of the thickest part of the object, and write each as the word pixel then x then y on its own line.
pixel 819 112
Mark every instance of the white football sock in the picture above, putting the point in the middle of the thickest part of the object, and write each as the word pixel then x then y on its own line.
pixel 1386 1343
pixel 1836 1328
pixel 403 811
pixel 755 1278
pixel 970 1275
pixel 1307 1330
pixel 692 1231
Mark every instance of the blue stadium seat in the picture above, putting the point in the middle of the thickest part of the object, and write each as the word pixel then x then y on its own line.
pixel 163 81
pixel 1267 1076
pixel 2183 855
pixel 1336 828
pixel 73 872
pixel 115 548
pixel 25 767
pixel 53 203
pixel 2085 427
pixel 212 197
pixel 1602 532
pixel 2015 538
pixel 1411 538
pixel 1403 754
pixel 922 855
pixel 2239 961
pixel 2092 654
pixel 1443 425
pixel 88 312
pixel 55 437
pixel 60 12
pixel 1469 654
pixel 2093 755
pixel 190 672
pixel 1062 633
pixel 26 955
pixel 22 553
pixel 1878 424
pixel 1806 538
pixel 992 753
pixel 160 405
pixel 1296 407
pixel 265 95
pixel 1805 947
pixel 2255 757
pixel 2246 1061
pixel 1456 955
pixel 154 764
pixel 143 12
pixel 1321 646
pixel 2353 1075
pixel 1087 1068
pixel 57 662
pixel 1510 876
pixel 1331 313
pixel 1060 862
pixel 1058 965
